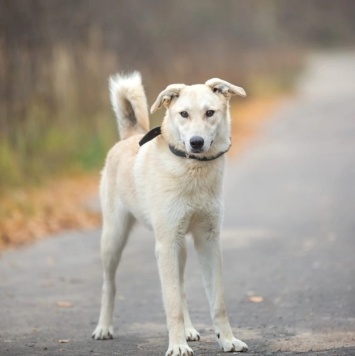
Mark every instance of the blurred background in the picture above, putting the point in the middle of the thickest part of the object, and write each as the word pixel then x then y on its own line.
pixel 56 123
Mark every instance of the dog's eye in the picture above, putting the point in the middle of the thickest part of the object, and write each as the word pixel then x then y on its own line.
pixel 184 114
pixel 209 113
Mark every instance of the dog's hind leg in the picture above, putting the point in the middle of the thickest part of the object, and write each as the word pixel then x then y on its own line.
pixel 190 332
pixel 116 228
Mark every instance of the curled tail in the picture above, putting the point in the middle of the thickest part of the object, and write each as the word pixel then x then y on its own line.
pixel 129 103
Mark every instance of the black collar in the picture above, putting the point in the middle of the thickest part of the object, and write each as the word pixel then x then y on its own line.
pixel 153 133
pixel 157 131
pixel 186 155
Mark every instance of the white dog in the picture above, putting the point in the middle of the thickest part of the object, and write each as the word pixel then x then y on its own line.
pixel 170 180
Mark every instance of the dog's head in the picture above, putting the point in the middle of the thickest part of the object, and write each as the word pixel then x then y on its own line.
pixel 197 117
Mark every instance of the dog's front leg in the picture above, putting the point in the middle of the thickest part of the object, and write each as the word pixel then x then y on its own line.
pixel 190 332
pixel 210 258
pixel 167 251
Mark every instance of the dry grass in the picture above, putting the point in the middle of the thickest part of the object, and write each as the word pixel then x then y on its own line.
pixel 32 213
pixel 249 117
pixel 29 214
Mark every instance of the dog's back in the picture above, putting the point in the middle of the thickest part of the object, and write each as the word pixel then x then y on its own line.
pixel 129 104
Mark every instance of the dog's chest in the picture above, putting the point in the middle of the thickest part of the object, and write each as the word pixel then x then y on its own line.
pixel 175 188
pixel 198 185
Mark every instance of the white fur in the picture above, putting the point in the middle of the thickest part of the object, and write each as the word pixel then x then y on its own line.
pixel 127 98
pixel 172 195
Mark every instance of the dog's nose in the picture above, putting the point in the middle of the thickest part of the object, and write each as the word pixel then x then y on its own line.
pixel 196 142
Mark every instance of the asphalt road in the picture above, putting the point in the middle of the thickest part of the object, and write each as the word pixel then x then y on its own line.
pixel 288 244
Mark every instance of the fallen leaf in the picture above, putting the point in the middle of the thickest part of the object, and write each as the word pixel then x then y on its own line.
pixel 255 299
pixel 64 341
pixel 64 304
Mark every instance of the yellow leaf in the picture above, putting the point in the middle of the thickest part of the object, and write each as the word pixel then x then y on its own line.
pixel 256 299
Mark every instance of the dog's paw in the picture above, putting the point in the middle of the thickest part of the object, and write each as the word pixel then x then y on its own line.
pixel 102 333
pixel 192 335
pixel 179 350
pixel 232 345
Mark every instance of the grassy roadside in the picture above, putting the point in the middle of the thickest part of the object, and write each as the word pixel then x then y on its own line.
pixel 44 148
pixel 248 118
pixel 30 213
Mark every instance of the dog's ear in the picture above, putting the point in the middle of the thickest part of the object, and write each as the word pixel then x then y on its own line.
pixel 225 88
pixel 166 96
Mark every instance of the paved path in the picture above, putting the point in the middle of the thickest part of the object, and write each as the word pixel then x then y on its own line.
pixel 288 238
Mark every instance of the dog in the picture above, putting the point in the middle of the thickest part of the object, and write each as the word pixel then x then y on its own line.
pixel 169 179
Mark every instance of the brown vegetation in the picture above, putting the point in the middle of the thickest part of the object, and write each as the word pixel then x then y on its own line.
pixel 32 213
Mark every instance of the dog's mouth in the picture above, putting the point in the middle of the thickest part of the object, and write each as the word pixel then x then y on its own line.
pixel 200 150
